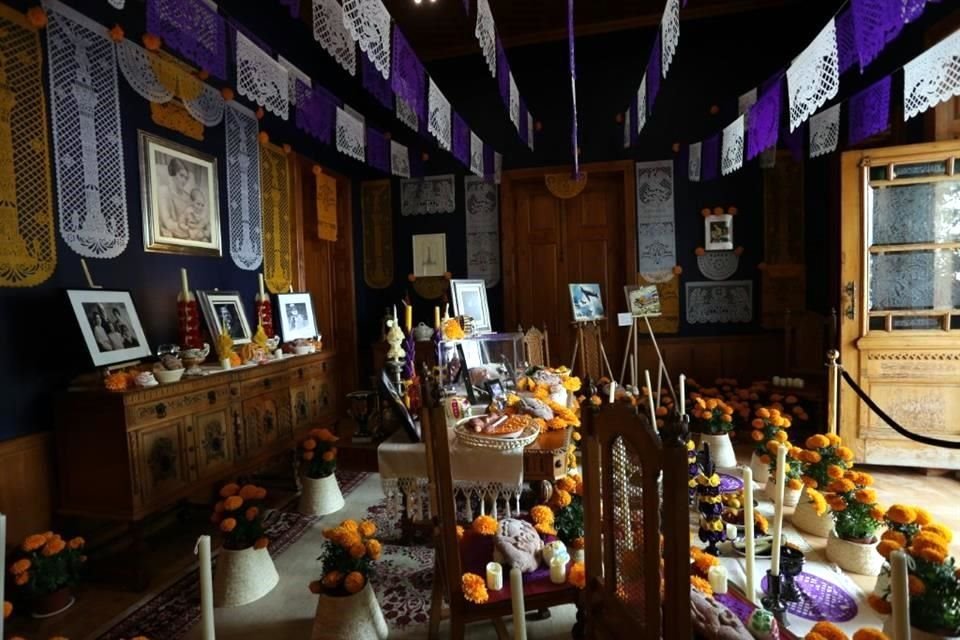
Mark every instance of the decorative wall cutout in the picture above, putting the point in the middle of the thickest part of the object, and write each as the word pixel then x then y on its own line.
pixel 668 286
pixel 351 135
pixel 560 185
pixel 476 154
pixel 329 30
pixel 642 105
pixel 368 21
pixel 28 247
pixel 399 159
pixel 669 34
pixel 932 77
pixel 173 115
pixel 244 204
pixel 710 302
pixel 406 114
pixel 483 230
pixel 432 194
pixel 326 206
pixel 439 118
pixel 814 76
pixel 656 231
pixel 377 233
pixel 261 78
pixel 825 131
pixel 693 162
pixel 277 235
pixel 718 265
pixel 87 136
pixel 194 29
pixel 485 31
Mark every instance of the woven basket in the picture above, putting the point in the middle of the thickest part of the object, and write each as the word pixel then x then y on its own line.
pixel 806 519
pixel 790 496
pixel 761 470
pixel 320 496
pixel 243 576
pixel 855 557
pixel 356 617
pixel 721 450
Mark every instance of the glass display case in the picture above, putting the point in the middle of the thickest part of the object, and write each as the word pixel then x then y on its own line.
pixel 481 359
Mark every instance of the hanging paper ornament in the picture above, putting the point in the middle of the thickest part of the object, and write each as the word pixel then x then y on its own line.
pixel 406 114
pixel 87 139
pixel 332 34
pixel 869 112
pixel 503 73
pixel 481 200
pixel 326 206
pixel 746 100
pixel 316 113
pixel 669 33
pixel 261 78
pixel 476 154
pixel 731 154
pixel 709 158
pixel 653 74
pixel 846 43
pixel 298 82
pixel 514 103
pixel 375 84
pixel 439 118
pixel 172 115
pixel 825 131
pixel 875 23
pixel 485 31
pixel 693 162
pixel 932 77
pixel 399 159
pixel 408 80
pixel 642 105
pixel 351 139
pixel 763 121
pixel 368 21
pixel 243 187
pixel 277 237
pixel 656 226
pixel 194 29
pixel 814 76
pixel 28 248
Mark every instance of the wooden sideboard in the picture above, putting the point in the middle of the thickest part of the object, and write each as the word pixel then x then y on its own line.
pixel 126 455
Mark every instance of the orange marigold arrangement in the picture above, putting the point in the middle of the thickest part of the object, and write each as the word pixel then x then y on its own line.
pixel 856 515
pixel 319 453
pixel 824 630
pixel 577 575
pixel 712 415
pixel 347 558
pixel 566 503
pixel 474 588
pixel 46 563
pixel 766 424
pixel 794 466
pixel 824 459
pixel 239 514
pixel 485 525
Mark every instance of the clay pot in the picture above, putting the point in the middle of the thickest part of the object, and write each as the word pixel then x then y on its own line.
pixel 721 450
pixel 354 616
pixel 806 519
pixel 53 603
pixel 855 557
pixel 243 576
pixel 320 496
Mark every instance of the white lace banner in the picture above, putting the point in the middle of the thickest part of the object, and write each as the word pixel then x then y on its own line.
pixel 439 118
pixel 497 167
pixel 483 230
pixel 261 78
pixel 432 194
pixel 642 104
pixel 814 76
pixel 746 101
pixel 406 114
pixel 243 186
pixel 476 154
pixel 825 131
pixel 368 21
pixel 669 34
pixel 656 232
pixel 351 135
pixel 693 162
pixel 531 129
pixel 731 154
pixel 87 142
pixel 293 74
pixel 514 103
pixel 718 265
pixel 399 159
pixel 932 77
pixel 331 32
pixel 710 302
pixel 486 33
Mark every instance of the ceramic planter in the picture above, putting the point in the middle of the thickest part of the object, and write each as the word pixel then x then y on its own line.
pixel 790 496
pixel 320 496
pixel 356 616
pixel 243 576
pixel 916 634
pixel 761 470
pixel 721 450
pixel 806 519
pixel 53 603
pixel 855 557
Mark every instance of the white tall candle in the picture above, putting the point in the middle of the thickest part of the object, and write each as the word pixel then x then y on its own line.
pixel 184 287
pixel 3 562
pixel 206 588
pixel 494 576
pixel 751 588
pixel 683 394
pixel 780 479
pixel 717 576
pixel 613 390
pixel 899 587
pixel 262 294
pixel 633 372
pixel 519 607
pixel 653 408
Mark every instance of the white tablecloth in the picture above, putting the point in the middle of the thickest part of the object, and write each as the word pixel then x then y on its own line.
pixel 486 474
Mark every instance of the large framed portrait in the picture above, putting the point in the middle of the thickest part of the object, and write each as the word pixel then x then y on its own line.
pixel 586 302
pixel 470 299
pixel 224 310
pixel 296 316
pixel 181 204
pixel 109 324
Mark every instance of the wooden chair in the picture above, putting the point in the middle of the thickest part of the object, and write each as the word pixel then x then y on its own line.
pixel 536 346
pixel 449 562
pixel 591 355
pixel 638 583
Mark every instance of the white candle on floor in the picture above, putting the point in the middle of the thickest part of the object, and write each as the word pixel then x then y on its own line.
pixel 751 589
pixel 683 394
pixel 717 576
pixel 653 409
pixel 633 372
pixel 613 390
pixel 206 588
pixel 494 576
pixel 780 480
pixel 519 607
pixel 900 591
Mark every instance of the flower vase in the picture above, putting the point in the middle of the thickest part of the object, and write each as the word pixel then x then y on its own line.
pixel 243 576
pixel 721 450
pixel 855 557
pixel 761 470
pixel 805 518
pixel 320 496
pixel 790 496
pixel 916 634
pixel 53 603
pixel 354 616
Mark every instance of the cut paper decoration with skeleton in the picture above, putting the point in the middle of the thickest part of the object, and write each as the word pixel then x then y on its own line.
pixel 814 76
pixel 433 194
pixel 932 77
pixel 351 137
pixel 656 232
pixel 277 237
pixel 326 207
pixel 192 28
pixel 244 205
pixel 710 302
pixel 28 247
pixel 825 131
pixel 261 78
pixel 483 231
pixel 476 154
pixel 399 159
pixel 87 144
pixel 731 154
pixel 485 32
pixel 439 118
pixel 368 22
pixel 332 34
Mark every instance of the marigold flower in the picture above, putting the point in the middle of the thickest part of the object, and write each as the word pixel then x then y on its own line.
pixel 350 525
pixel 837 503
pixel 869 633
pixel 934 555
pixel 865 479
pixel 354 582
pixel 474 588
pixel 308 455
pixel 230 489
pixel 76 543
pixel 829 631
pixel 865 496
pixel 249 492
pixel 20 566
pixel 780 436
pixel 485 525
pixel 251 514
pixel 794 483
pixel 701 585
pixel 309 444
pixel 763 412
pixel 374 548
pixel 218 507
pixel 34 542
pixel 894 536
pixel 879 604
pixel 566 483
pixel 541 514
pixel 916 585
pixel 886 547
pixel 572 384
pixel 228 525
pixel 819 502
pixel 367 528
pixel 901 514
pixel 703 561
pixel 560 498
pixel 577 575
pixel 817 442
pixel 940 530
pixel 841 486
pixel 332 579
pixel 845 454
pixel 834 439
pixel 835 471
pixel 328 455
pixel 233 503
pixel 315 587
pixel 262 543
pixel 7 609
pixel 357 551
pixel 22 579
pixel 813 457
pixel 53 547
pixel 876 512
pixel 923 517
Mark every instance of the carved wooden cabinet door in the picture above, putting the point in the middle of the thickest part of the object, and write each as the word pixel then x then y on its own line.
pixel 300 405
pixel 211 443
pixel 161 466
pixel 322 394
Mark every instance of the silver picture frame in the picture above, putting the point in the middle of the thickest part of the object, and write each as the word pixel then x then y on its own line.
pixel 221 307
pixel 470 299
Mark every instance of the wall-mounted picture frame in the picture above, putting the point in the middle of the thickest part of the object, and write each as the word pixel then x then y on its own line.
pixel 180 198
pixel 110 325
pixel 718 232
pixel 470 299
pixel 224 309
pixel 586 302
pixel 642 300
pixel 429 255
pixel 297 320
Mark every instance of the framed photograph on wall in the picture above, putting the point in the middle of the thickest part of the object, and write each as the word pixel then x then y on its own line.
pixel 718 232
pixel 470 299
pixel 181 202
pixel 642 300
pixel 224 309
pixel 429 254
pixel 586 302
pixel 109 324
pixel 297 320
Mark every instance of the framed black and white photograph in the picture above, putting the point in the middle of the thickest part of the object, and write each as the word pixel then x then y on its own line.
pixel 110 325
pixel 429 254
pixel 642 300
pixel 586 302
pixel 718 231
pixel 224 310
pixel 181 205
pixel 297 321
pixel 470 299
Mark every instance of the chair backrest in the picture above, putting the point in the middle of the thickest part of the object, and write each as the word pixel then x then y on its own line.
pixel 637 553
pixel 536 347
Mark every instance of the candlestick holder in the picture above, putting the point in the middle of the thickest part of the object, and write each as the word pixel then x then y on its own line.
pixel 773 601
pixel 791 564
pixel 188 321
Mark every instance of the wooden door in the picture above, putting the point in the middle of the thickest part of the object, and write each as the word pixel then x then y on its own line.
pixel 549 242
pixel 900 316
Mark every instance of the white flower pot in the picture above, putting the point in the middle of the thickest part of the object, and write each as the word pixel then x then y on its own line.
pixel 915 634
pixel 243 576
pixel 721 450
pixel 791 497
pixel 320 496
pixel 761 470
pixel 806 519
pixel 855 557
pixel 357 617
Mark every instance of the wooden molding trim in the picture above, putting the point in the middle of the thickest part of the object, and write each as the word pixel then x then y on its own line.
pixel 27 484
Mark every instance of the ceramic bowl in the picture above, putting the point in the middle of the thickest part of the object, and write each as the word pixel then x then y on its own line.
pixel 166 377
pixel 301 351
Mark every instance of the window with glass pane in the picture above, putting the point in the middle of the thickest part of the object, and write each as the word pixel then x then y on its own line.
pixel 914 247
